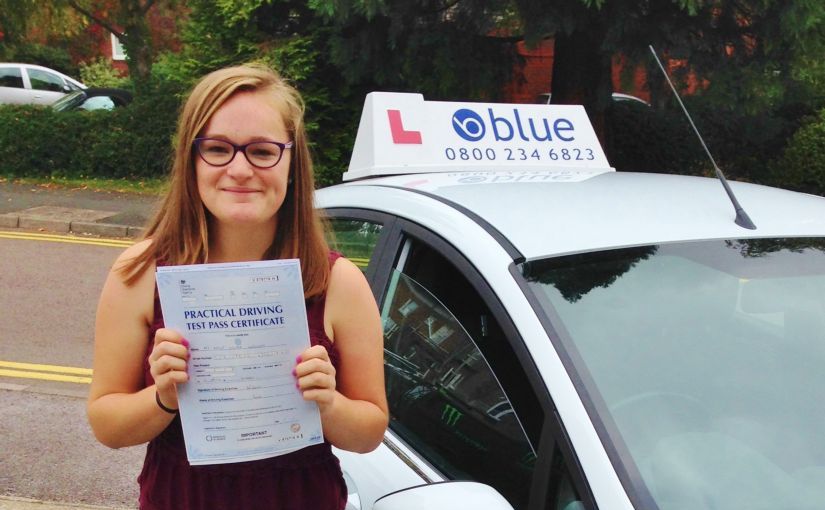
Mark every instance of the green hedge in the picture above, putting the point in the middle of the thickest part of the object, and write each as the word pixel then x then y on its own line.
pixel 746 147
pixel 802 165
pixel 135 141
pixel 643 139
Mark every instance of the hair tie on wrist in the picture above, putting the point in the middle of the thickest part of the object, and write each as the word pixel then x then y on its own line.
pixel 160 404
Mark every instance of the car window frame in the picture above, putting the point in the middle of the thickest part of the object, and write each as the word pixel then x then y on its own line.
pixel 376 274
pixel 22 74
pixel 60 79
pixel 552 436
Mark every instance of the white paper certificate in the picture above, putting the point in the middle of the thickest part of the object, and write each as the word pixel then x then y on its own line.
pixel 246 323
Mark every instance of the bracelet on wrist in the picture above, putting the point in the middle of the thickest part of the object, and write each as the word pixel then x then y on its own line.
pixel 160 404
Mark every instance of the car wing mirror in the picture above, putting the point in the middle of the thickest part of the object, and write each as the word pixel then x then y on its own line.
pixel 444 496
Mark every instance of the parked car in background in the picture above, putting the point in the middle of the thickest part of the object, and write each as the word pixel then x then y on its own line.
pixel 93 99
pixel 33 84
pixel 618 97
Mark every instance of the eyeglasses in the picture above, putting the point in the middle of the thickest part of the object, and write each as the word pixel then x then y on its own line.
pixel 218 152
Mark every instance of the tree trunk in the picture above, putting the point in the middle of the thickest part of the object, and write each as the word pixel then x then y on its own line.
pixel 137 42
pixel 131 26
pixel 582 74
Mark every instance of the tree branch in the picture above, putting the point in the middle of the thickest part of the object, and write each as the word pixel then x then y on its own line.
pixel 145 8
pixel 105 24
pixel 447 5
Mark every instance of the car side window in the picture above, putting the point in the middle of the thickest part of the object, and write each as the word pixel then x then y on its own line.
pixel 11 77
pixel 44 80
pixel 445 400
pixel 354 238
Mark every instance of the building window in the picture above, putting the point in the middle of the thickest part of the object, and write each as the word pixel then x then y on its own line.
pixel 118 53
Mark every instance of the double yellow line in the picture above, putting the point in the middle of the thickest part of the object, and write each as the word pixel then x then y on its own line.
pixel 56 238
pixel 45 372
pixel 53 372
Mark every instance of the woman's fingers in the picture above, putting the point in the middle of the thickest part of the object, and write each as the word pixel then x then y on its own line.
pixel 168 362
pixel 315 375
pixel 314 352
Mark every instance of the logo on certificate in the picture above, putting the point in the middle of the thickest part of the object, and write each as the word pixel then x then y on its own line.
pixel 295 427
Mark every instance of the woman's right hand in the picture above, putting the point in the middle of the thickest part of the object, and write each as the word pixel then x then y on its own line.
pixel 168 364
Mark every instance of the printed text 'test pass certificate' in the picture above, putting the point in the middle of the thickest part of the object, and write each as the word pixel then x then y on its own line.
pixel 246 323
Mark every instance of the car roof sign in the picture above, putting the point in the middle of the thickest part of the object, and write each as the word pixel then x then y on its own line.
pixel 401 133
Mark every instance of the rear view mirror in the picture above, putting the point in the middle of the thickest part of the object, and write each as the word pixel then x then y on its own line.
pixel 444 496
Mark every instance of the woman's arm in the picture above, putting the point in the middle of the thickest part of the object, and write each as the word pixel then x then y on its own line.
pixel 353 401
pixel 121 411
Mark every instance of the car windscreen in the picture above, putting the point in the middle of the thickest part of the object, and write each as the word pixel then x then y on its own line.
pixel 69 101
pixel 701 364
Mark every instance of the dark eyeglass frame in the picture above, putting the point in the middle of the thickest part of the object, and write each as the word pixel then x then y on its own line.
pixel 196 145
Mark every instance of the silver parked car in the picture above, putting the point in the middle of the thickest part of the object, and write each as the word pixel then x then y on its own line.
pixel 33 84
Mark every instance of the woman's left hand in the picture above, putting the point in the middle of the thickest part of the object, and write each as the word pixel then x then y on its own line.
pixel 316 376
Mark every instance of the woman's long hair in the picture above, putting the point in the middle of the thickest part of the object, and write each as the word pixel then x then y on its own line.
pixel 180 228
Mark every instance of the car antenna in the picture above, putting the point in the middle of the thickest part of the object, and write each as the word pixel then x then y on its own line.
pixel 742 218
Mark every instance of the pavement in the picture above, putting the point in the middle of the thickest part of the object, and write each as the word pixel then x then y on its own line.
pixel 48 208
pixel 79 211
pixel 13 503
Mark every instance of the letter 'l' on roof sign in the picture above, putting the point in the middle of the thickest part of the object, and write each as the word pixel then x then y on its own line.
pixel 404 134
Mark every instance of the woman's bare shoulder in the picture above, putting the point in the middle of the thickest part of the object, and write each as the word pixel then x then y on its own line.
pixel 135 250
pixel 131 253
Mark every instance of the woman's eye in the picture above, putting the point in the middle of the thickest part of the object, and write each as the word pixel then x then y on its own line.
pixel 263 153
pixel 216 149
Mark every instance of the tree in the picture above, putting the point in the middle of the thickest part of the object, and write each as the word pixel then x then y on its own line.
pixel 713 36
pixel 14 19
pixel 445 49
pixel 28 28
pixel 288 36
pixel 128 20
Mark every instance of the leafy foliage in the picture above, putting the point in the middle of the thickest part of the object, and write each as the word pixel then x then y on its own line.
pixel 100 73
pixel 129 142
pixel 744 145
pixel 48 56
pixel 802 165
pixel 217 36
pixel 648 140
pixel 760 61
pixel 445 50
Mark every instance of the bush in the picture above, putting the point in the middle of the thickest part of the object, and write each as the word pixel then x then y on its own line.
pixel 131 142
pixel 742 144
pixel 802 165
pixel 47 56
pixel 100 73
pixel 643 139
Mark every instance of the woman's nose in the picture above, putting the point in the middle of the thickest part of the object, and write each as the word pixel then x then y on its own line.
pixel 240 167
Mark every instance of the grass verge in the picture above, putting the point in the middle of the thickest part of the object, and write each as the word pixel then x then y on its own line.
pixel 142 187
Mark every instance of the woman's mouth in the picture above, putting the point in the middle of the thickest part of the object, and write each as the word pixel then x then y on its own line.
pixel 238 189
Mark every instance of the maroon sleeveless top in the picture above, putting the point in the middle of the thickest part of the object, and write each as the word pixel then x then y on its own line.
pixel 309 478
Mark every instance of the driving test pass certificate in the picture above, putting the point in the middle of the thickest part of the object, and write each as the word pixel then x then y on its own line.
pixel 245 323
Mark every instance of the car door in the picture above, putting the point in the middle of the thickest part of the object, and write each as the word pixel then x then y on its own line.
pixel 462 406
pixel 46 87
pixel 12 86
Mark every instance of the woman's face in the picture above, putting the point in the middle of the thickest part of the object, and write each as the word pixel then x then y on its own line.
pixel 238 193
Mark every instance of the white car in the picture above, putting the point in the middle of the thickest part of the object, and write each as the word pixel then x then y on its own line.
pixel 32 84
pixel 584 340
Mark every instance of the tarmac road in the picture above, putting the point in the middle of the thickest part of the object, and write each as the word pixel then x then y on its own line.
pixel 50 283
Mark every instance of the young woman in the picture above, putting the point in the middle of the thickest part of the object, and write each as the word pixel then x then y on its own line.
pixel 241 189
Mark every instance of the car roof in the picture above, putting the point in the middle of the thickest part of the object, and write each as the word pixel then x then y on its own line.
pixel 35 66
pixel 550 213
